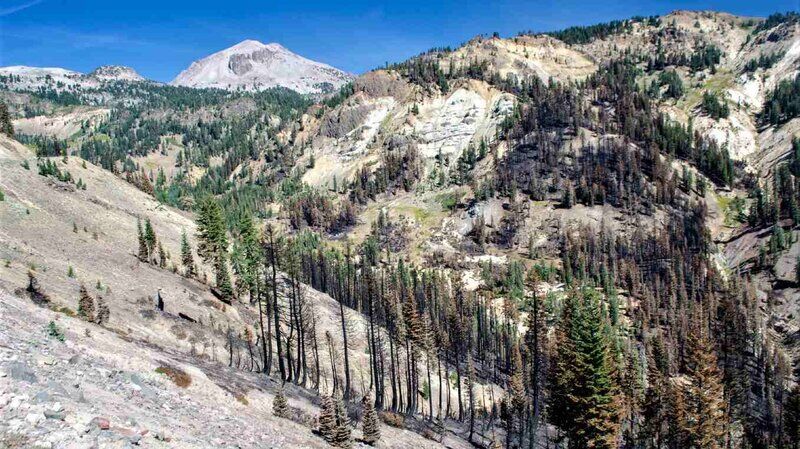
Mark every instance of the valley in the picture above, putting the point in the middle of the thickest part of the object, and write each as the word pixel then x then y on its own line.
pixel 581 238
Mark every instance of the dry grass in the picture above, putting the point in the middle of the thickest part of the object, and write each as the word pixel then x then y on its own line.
pixel 178 376
pixel 242 399
pixel 394 419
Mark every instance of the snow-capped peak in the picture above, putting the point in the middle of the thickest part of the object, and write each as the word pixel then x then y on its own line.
pixel 253 65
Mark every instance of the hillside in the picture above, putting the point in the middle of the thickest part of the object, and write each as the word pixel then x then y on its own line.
pixel 587 237
pixel 45 221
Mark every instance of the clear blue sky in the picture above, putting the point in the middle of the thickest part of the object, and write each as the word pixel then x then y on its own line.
pixel 160 38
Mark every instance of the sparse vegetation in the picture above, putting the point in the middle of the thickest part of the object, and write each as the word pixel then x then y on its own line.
pixel 715 107
pixel 176 375
pixel 783 103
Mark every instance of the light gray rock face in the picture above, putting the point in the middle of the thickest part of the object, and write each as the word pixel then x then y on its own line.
pixel 116 73
pixel 252 65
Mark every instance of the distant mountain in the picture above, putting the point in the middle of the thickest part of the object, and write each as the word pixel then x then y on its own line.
pixel 253 65
pixel 25 78
pixel 116 73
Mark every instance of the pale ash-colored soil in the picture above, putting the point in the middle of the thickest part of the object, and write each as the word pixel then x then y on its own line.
pixel 62 126
pixel 51 392
pixel 37 233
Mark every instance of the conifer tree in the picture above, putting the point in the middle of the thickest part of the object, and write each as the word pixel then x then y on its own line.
pixel 327 419
pixel 705 395
pixel 584 401
pixel 86 305
pixel 143 255
pixel 187 259
pixel 103 313
pixel 213 242
pixel 342 436
pixel 150 238
pixel 280 407
pixel 248 258
pixel 791 429
pixel 6 125
pixel 471 395
pixel 162 256
pixel 370 429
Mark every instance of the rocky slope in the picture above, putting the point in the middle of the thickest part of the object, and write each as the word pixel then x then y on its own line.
pixel 116 73
pixel 424 116
pixel 52 393
pixel 252 65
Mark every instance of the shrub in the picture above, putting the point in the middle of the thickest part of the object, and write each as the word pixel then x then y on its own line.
pixel 53 331
pixel 393 419
pixel 178 376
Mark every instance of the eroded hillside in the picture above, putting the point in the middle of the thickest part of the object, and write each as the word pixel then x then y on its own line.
pixel 512 237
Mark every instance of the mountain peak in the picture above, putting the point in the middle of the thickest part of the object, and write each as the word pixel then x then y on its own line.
pixel 116 73
pixel 253 65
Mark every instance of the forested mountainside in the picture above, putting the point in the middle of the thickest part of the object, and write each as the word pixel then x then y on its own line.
pixel 585 239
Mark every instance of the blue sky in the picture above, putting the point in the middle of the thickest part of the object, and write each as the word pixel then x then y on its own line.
pixel 160 38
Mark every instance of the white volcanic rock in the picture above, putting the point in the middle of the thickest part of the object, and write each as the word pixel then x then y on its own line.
pixel 252 65
pixel 24 78
pixel 34 77
pixel 116 73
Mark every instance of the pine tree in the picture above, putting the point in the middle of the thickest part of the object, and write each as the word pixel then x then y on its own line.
pixel 143 255
pixel 370 429
pixel 584 398
pixel 792 421
pixel 150 238
pixel 187 259
pixel 103 313
pixel 86 305
pixel 471 395
pixel 280 407
pixel 327 419
pixel 162 256
pixel 342 436
pixel 248 259
pixel 6 125
pixel 705 395
pixel 213 242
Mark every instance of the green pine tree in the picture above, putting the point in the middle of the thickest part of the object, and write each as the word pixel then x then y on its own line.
pixel 143 253
pixel 280 407
pixel 327 419
pixel 187 259
pixel 212 235
pixel 150 238
pixel 343 434
pixel 584 400
pixel 6 126
pixel 370 428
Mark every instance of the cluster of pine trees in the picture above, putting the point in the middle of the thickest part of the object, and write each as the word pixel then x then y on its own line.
pixel 783 103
